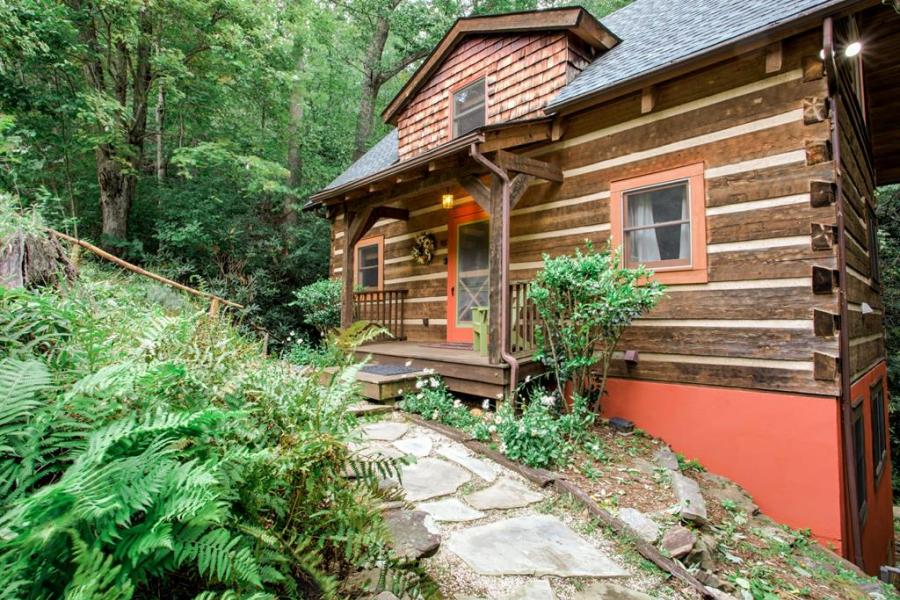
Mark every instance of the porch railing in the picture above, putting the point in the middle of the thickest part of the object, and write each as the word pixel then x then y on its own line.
pixel 523 319
pixel 384 307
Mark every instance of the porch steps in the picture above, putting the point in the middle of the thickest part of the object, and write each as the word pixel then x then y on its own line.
pixel 381 388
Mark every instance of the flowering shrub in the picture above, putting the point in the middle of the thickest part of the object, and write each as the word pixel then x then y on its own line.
pixel 537 438
pixel 432 400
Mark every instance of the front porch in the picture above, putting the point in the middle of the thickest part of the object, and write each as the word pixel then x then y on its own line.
pixel 463 369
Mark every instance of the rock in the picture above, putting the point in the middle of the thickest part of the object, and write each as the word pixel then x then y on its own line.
pixel 678 541
pixel 379 451
pixel 691 503
pixel 410 538
pixel 621 425
pixel 419 446
pixel 431 477
pixel 450 509
pixel 530 545
pixel 719 594
pixel 504 494
pixel 461 456
pixel 726 491
pixel 708 579
pixel 704 553
pixel 644 466
pixel 609 591
pixel 385 431
pixel 642 525
pixel 361 409
pixel 666 459
pixel 537 589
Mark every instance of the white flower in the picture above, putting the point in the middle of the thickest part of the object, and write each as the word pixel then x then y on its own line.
pixel 420 383
pixel 498 420
pixel 499 396
pixel 408 363
pixel 548 400
pixel 502 447
pixel 400 392
pixel 527 378
pixel 435 415
pixel 434 382
pixel 457 403
pixel 492 428
pixel 486 405
pixel 428 371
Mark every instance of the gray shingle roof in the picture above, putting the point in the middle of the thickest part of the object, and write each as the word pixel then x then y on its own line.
pixel 380 156
pixel 658 33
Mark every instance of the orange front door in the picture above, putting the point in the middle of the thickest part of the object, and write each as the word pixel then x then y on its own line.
pixel 467 268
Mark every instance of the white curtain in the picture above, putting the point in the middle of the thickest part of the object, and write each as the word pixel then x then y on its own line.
pixel 684 250
pixel 645 247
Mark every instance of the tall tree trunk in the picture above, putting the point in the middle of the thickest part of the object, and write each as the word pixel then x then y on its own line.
pixel 160 125
pixel 116 194
pixel 372 81
pixel 294 133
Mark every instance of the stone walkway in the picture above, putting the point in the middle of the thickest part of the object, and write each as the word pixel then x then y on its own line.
pixel 500 536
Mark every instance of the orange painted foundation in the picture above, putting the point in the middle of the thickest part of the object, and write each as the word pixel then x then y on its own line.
pixel 784 449
pixel 878 528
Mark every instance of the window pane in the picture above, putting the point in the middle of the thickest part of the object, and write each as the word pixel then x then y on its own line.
pixel 468 109
pixel 368 256
pixel 368 277
pixel 859 453
pixel 472 276
pixel 648 208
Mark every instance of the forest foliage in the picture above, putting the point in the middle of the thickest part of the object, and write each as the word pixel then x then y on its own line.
pixel 149 450
pixel 187 134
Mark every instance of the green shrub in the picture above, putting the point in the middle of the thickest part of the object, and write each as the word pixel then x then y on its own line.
pixel 146 452
pixel 320 303
pixel 537 437
pixel 432 400
pixel 585 302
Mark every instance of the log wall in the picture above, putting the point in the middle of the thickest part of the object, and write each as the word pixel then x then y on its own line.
pixel 758 322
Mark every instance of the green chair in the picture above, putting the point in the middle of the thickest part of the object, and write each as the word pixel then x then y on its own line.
pixel 480 329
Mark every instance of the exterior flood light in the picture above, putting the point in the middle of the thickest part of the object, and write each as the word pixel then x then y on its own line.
pixel 852 49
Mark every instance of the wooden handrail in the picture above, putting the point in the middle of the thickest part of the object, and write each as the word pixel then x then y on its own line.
pixel 523 319
pixel 384 307
pixel 216 300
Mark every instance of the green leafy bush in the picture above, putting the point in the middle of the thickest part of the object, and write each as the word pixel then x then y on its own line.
pixel 432 400
pixel 320 303
pixel 537 437
pixel 585 302
pixel 147 451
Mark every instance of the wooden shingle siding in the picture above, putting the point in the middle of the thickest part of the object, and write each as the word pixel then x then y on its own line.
pixel 523 73
pixel 751 325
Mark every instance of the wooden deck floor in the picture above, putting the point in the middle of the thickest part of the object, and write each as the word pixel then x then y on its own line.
pixel 462 369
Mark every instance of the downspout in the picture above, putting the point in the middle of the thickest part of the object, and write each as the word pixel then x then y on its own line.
pixel 505 354
pixel 843 331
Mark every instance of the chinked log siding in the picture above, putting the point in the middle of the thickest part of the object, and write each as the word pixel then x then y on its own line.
pixel 752 324
pixel 523 72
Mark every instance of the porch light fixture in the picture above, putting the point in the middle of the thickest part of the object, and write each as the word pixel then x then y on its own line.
pixel 447 201
pixel 852 49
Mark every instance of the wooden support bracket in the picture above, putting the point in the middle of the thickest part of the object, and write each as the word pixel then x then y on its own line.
pixel 821 193
pixel 825 322
pixel 522 164
pixel 517 188
pixel 363 222
pixel 478 191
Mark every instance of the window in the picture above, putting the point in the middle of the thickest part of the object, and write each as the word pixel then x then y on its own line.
pixel 468 110
pixel 872 235
pixel 879 437
pixel 859 458
pixel 660 222
pixel 368 263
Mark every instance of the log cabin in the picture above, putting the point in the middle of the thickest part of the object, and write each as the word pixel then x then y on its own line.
pixel 734 148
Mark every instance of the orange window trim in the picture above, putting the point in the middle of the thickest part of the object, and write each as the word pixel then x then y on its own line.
pixel 695 271
pixel 377 240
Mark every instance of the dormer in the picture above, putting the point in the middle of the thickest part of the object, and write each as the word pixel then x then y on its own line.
pixel 493 69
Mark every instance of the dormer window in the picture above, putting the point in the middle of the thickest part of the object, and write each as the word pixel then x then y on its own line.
pixel 468 112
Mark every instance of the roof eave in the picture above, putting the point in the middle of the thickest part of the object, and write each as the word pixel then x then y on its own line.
pixel 707 56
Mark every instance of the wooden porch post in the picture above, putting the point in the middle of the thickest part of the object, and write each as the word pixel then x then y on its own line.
pixel 347 272
pixel 495 263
